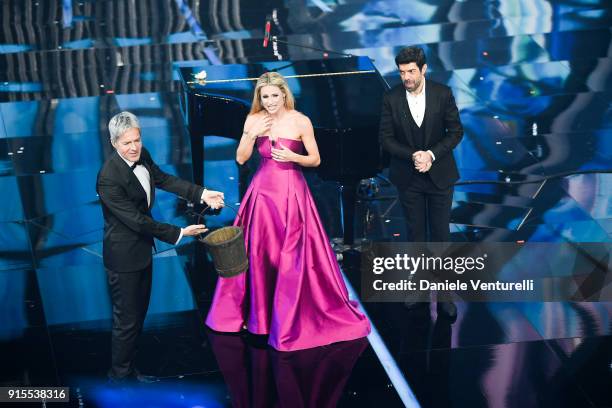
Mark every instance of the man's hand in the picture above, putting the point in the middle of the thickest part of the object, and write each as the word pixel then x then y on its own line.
pixel 194 230
pixel 422 161
pixel 213 198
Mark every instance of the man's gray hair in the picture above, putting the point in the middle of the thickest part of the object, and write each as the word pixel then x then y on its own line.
pixel 120 123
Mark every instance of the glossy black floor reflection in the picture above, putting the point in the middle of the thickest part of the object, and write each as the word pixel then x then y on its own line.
pixel 323 376
pixel 533 84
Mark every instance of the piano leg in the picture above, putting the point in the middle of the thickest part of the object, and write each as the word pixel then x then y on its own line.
pixel 197 153
pixel 348 191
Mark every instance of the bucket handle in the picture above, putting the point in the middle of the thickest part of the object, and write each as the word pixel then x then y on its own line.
pixel 201 215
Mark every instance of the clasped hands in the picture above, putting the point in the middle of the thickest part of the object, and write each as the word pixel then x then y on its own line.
pixel 422 161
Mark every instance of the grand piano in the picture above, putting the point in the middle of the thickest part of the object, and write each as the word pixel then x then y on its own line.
pixel 342 97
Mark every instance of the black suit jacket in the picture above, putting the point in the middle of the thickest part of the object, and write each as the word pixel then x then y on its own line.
pixel 129 228
pixel 442 128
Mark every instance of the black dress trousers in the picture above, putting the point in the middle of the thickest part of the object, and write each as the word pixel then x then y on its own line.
pixel 130 294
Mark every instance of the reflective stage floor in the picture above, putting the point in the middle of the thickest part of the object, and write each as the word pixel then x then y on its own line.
pixel 533 81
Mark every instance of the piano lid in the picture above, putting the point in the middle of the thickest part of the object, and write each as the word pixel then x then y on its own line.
pixel 340 93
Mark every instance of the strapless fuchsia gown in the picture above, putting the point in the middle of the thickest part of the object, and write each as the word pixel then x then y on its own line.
pixel 293 290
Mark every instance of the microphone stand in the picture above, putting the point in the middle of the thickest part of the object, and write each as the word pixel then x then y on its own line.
pixel 326 52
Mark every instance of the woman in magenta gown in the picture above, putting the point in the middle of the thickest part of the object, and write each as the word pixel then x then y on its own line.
pixel 293 291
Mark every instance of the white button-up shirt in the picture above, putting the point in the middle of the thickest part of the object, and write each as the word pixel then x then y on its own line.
pixel 417 105
pixel 142 174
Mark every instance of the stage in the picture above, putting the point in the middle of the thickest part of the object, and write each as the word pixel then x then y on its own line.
pixel 532 81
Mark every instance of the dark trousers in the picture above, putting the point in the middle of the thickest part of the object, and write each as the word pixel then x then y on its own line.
pixel 427 209
pixel 130 294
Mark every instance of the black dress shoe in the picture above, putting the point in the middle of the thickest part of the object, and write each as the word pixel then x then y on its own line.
pixel 145 379
pixel 136 376
pixel 447 310
pixel 416 305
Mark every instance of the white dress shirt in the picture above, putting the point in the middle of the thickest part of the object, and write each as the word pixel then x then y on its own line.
pixel 142 174
pixel 416 103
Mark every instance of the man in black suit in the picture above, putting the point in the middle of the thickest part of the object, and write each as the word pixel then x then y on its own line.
pixel 419 128
pixel 126 186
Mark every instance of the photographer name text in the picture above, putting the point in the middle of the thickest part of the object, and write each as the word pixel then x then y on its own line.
pixel 474 284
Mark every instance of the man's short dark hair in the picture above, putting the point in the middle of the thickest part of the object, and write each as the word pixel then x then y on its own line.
pixel 411 54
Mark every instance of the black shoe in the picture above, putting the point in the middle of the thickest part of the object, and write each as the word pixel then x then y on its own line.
pixel 447 310
pixel 416 305
pixel 136 376
pixel 145 379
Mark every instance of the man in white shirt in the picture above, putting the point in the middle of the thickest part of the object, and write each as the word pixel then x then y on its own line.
pixel 126 186
pixel 419 128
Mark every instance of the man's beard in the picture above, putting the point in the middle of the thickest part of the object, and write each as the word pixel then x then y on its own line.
pixel 414 87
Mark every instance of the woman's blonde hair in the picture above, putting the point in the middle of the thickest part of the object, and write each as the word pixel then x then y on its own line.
pixel 276 79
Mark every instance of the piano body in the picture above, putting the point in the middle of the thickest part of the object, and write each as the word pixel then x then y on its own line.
pixel 342 97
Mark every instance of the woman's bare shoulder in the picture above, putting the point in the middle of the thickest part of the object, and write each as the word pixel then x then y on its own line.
pixel 253 116
pixel 300 118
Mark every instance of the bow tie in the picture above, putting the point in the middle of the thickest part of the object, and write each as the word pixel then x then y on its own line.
pixel 133 166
